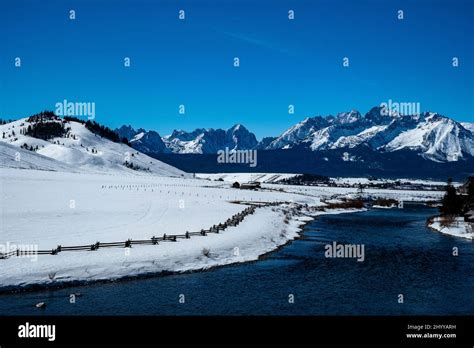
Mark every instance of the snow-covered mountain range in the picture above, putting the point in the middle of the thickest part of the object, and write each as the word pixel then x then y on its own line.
pixel 198 141
pixel 51 143
pixel 433 136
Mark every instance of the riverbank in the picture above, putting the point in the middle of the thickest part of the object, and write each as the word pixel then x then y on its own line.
pixel 267 230
pixel 402 256
pixel 456 227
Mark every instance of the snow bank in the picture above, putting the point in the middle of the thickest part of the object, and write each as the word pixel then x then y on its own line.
pixel 459 228
pixel 376 206
pixel 258 234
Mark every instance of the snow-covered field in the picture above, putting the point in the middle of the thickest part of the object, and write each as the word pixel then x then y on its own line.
pixel 77 190
pixel 355 181
pixel 269 178
pixel 326 192
pixel 50 208
pixel 246 177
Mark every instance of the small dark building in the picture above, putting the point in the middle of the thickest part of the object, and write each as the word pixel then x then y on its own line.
pixel 250 185
pixel 236 185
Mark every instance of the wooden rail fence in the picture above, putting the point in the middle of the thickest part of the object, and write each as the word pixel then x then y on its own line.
pixel 232 221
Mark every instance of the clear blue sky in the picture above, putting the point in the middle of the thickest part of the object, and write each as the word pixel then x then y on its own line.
pixel 282 62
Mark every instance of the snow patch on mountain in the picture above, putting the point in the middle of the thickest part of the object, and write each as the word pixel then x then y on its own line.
pixel 469 126
pixel 438 138
pixel 352 141
pixel 298 133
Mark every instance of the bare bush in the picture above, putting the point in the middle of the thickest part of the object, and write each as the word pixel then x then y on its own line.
pixel 447 220
pixel 383 202
pixel 206 252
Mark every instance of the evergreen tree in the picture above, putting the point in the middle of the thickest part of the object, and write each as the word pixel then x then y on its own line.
pixel 126 142
pixel 451 203
pixel 470 187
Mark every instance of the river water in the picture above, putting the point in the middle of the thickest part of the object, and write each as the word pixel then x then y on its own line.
pixel 402 257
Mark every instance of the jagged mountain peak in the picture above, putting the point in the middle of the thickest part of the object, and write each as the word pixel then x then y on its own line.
pixel 125 131
pixel 149 142
pixel 348 117
pixel 236 127
pixel 378 115
pixel 185 136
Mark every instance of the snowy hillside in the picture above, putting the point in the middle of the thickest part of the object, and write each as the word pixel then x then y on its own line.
pixel 75 147
pixel 13 157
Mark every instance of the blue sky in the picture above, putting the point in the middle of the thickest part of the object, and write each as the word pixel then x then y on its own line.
pixel 190 62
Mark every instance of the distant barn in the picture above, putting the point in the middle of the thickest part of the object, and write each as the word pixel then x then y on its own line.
pixel 253 185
